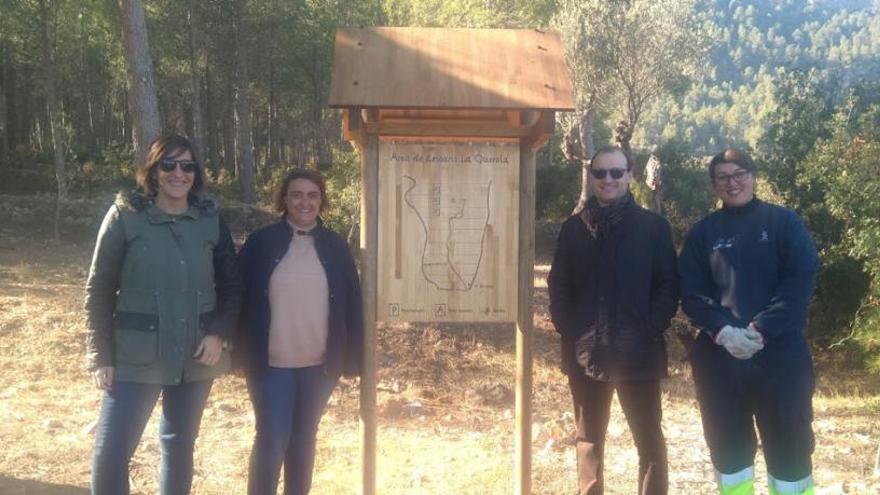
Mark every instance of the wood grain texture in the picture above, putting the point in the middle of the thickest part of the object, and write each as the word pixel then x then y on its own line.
pixel 522 441
pixel 369 262
pixel 448 231
pixel 450 68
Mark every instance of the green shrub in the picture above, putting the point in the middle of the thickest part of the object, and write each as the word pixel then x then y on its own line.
pixel 687 195
pixel 27 172
pixel 112 170
pixel 343 192
pixel 557 184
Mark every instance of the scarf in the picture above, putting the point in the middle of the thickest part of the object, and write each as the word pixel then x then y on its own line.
pixel 602 221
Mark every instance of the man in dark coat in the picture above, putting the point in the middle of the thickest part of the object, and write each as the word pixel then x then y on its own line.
pixel 748 271
pixel 613 290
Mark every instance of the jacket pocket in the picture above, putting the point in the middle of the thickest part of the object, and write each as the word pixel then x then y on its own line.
pixel 136 338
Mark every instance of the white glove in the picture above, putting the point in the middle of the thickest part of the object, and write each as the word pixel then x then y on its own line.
pixel 741 343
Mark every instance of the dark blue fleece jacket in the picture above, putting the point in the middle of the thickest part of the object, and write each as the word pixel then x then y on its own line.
pixel 756 263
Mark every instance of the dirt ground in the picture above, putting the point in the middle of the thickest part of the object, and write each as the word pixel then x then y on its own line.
pixel 445 393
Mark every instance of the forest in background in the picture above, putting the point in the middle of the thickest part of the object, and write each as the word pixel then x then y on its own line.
pixel 796 82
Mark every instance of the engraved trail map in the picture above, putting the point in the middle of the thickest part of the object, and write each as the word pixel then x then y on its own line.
pixel 453 245
pixel 447 231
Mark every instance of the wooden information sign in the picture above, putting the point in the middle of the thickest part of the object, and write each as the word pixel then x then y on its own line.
pixel 448 123
pixel 448 231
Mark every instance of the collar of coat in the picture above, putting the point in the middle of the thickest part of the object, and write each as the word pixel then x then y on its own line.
pixel 319 224
pixel 199 204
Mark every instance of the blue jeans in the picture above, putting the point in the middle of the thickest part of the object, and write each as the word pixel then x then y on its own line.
pixel 288 405
pixel 124 414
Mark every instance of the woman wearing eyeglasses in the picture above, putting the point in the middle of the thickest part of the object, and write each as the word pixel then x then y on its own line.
pixel 302 329
pixel 748 271
pixel 162 297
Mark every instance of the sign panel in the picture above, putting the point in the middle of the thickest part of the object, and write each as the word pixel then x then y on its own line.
pixel 448 231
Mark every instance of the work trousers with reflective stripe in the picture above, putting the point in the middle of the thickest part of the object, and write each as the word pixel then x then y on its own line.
pixel 640 401
pixel 773 389
pixel 743 483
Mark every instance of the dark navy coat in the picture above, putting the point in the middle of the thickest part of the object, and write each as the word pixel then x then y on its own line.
pixel 755 264
pixel 612 318
pixel 261 253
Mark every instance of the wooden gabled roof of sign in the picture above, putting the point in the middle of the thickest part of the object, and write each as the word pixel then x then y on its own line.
pixel 440 68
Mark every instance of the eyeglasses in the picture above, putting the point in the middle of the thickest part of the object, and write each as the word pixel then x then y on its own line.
pixel 600 173
pixel 738 176
pixel 168 165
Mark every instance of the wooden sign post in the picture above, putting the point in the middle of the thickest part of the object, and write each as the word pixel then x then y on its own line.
pixel 448 123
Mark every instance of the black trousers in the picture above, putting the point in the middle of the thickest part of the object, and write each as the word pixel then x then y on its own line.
pixel 640 401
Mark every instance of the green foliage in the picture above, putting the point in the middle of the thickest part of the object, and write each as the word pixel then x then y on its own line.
pixel 841 288
pixel 783 78
pixel 27 172
pixel 624 55
pixel 687 193
pixel 753 42
pixel 343 192
pixel 111 170
pixel 868 336
pixel 801 117
pixel 31 172
pixel 226 186
pixel 468 13
pixel 558 183
pixel 823 154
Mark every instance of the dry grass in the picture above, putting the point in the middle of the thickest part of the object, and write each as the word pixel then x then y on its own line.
pixel 445 395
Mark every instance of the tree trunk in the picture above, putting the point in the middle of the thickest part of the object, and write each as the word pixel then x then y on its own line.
pixel 212 140
pixel 142 99
pixel 54 111
pixel 198 136
pixel 623 134
pixel 243 108
pixel 25 115
pixel 588 148
pixel 272 147
pixel 272 123
pixel 5 103
pixel 86 84
pixel 17 124
pixel 229 129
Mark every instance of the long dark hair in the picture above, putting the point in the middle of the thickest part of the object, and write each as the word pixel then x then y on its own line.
pixel 165 147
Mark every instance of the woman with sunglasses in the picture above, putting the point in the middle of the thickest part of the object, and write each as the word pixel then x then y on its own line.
pixel 303 328
pixel 162 297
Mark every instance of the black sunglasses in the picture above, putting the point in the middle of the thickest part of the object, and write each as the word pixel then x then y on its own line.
pixel 168 165
pixel 600 173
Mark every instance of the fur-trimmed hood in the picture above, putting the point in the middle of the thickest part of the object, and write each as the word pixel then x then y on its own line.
pixel 135 200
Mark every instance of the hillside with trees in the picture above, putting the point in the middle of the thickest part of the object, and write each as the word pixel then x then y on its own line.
pixel 84 84
pixel 247 80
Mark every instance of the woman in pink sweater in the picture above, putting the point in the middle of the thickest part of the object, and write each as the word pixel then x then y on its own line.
pixel 302 330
